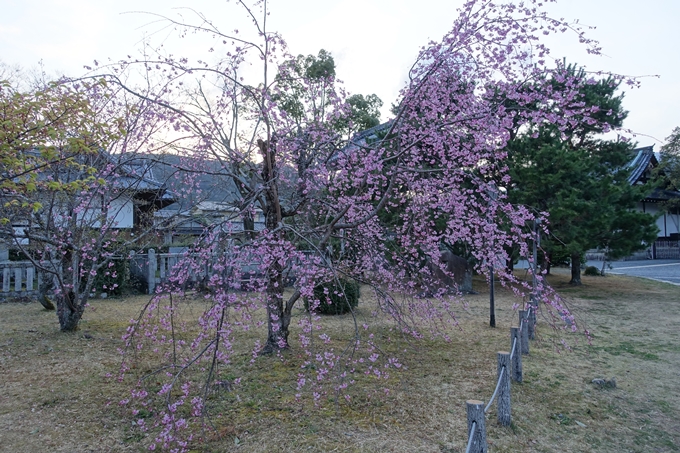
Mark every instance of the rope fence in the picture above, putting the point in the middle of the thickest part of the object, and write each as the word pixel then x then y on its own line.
pixel 495 392
pixel 471 436
pixel 509 368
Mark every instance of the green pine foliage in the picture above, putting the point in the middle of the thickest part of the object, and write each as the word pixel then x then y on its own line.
pixel 316 95
pixel 579 179
pixel 669 168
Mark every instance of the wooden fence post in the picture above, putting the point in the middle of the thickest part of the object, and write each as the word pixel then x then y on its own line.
pixel 18 274
pixel 475 414
pixel 524 332
pixel 532 318
pixel 5 280
pixel 516 361
pixel 151 271
pixel 504 412
pixel 30 276
pixel 162 261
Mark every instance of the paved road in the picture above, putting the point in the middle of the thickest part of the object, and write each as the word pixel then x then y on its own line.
pixel 663 270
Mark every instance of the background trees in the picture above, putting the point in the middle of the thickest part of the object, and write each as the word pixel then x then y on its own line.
pixel 64 153
pixel 579 180
pixel 669 169
pixel 47 144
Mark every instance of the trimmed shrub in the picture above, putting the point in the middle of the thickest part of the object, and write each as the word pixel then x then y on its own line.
pixel 591 271
pixel 113 279
pixel 336 298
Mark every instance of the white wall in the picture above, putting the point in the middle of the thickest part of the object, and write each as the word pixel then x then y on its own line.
pixel 668 223
pixel 19 231
pixel 122 212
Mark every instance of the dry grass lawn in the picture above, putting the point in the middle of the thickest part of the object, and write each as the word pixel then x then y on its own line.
pixel 55 396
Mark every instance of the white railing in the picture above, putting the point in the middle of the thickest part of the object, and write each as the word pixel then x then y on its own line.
pixel 19 279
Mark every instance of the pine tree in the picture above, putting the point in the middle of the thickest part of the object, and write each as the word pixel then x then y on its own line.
pixel 579 179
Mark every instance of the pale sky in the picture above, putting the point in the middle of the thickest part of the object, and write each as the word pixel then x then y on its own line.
pixel 374 42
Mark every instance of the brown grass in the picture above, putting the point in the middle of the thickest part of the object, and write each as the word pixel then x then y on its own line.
pixel 54 390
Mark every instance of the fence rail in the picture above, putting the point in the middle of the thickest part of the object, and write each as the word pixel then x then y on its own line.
pixel 159 268
pixel 19 279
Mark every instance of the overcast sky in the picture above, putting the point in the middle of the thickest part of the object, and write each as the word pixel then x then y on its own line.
pixel 374 42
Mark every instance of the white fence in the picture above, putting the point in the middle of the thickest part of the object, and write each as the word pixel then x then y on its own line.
pixel 19 279
pixel 159 268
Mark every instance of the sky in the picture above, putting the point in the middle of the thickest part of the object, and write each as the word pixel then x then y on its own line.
pixel 373 42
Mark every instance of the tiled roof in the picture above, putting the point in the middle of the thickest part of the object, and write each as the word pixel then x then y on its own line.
pixel 641 162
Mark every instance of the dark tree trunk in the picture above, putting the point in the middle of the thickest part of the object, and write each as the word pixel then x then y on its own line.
pixel 546 263
pixel 44 288
pixel 249 225
pixel 575 269
pixel 278 319
pixel 71 301
pixel 69 312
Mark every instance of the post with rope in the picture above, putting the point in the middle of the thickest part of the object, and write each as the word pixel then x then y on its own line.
pixel 531 324
pixel 515 355
pixel 523 332
pixel 504 411
pixel 476 427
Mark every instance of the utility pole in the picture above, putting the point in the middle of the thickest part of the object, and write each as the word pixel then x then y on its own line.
pixel 534 293
pixel 492 302
pixel 537 239
pixel 493 195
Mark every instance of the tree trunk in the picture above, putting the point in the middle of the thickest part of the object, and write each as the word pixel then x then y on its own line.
pixel 278 319
pixel 72 295
pixel 575 269
pixel 249 225
pixel 45 286
pixel 69 312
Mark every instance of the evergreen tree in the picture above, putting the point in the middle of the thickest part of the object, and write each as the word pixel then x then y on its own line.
pixel 579 180
pixel 669 168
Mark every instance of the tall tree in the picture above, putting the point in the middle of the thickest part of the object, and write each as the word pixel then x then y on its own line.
pixel 578 180
pixel 306 87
